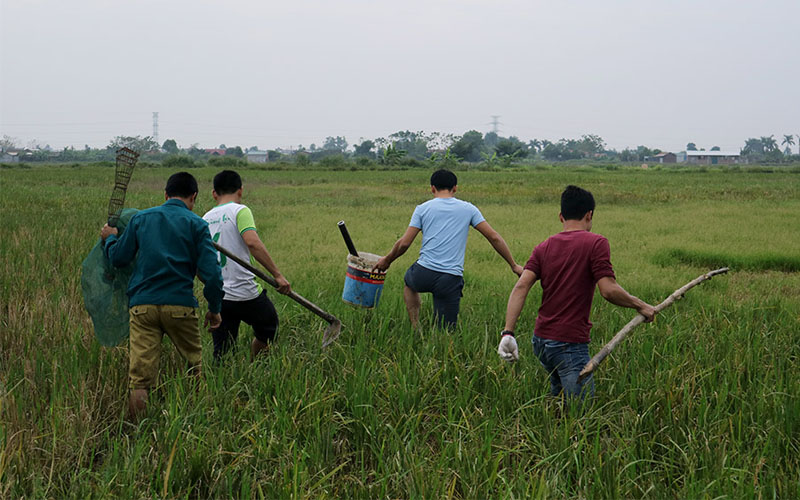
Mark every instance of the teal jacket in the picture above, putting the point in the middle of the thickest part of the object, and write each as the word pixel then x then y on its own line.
pixel 171 245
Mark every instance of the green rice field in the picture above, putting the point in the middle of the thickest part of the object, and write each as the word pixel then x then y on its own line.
pixel 703 403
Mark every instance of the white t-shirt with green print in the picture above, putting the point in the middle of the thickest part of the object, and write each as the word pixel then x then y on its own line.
pixel 227 223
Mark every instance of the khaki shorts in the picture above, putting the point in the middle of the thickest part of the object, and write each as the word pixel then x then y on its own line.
pixel 148 325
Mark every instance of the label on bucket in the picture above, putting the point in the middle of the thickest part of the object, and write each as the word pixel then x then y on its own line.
pixel 366 276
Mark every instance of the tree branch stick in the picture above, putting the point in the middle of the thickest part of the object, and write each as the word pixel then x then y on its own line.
pixel 676 295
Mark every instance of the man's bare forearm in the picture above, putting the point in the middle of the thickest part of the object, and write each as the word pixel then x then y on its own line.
pixel 516 301
pixel 262 256
pixel 501 247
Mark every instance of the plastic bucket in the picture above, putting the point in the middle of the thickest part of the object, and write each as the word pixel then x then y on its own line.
pixel 362 287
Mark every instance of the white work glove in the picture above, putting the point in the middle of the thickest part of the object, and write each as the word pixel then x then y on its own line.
pixel 508 347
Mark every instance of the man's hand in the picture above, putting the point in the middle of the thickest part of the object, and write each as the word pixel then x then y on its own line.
pixel 107 231
pixel 517 269
pixel 213 320
pixel 648 311
pixel 382 265
pixel 284 286
pixel 508 348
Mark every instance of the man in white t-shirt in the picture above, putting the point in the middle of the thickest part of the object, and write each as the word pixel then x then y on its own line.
pixel 232 226
pixel 444 222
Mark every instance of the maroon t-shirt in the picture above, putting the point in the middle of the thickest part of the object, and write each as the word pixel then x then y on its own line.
pixel 569 264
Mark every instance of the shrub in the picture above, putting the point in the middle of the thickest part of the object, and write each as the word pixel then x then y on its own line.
pixel 179 162
pixel 227 162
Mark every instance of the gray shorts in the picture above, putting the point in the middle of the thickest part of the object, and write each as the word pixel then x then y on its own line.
pixel 446 290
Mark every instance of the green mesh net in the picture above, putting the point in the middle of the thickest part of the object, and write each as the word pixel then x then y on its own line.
pixel 104 291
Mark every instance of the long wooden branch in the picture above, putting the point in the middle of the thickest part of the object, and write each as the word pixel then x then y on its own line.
pixel 676 295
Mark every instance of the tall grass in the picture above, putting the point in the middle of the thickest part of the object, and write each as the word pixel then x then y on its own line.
pixel 703 403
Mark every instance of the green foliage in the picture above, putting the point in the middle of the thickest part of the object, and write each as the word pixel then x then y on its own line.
pixel 302 160
pixel 180 162
pixel 137 143
pixel 365 149
pixel 227 162
pixel 738 262
pixel 392 155
pixel 511 148
pixel 469 147
pixel 336 144
pixel 170 146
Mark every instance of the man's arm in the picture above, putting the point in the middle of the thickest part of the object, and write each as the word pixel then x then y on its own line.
pixel 516 300
pixel 120 250
pixel 614 293
pixel 209 272
pixel 507 349
pixel 499 245
pixel 398 249
pixel 259 251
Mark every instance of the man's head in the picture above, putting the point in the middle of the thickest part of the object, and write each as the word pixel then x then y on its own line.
pixel 576 203
pixel 227 182
pixel 182 185
pixel 444 179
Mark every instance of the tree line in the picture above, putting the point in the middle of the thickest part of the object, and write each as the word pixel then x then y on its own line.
pixel 402 147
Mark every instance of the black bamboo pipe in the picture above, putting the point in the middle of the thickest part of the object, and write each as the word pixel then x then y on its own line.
pixel 347 240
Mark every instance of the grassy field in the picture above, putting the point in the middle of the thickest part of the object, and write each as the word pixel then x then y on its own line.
pixel 704 403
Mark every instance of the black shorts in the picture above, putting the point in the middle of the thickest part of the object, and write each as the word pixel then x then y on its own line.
pixel 446 290
pixel 259 313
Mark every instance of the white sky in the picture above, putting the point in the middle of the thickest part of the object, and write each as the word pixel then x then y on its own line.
pixel 277 74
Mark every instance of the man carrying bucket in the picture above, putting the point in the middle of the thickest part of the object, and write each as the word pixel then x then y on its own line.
pixel 233 228
pixel 444 222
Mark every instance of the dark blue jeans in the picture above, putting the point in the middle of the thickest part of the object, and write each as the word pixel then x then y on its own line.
pixel 564 361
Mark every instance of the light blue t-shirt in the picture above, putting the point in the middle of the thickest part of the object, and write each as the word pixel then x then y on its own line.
pixel 445 224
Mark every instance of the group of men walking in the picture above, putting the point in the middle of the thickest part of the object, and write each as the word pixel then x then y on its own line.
pixel 171 245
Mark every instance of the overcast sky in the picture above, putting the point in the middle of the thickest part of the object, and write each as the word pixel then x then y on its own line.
pixel 277 74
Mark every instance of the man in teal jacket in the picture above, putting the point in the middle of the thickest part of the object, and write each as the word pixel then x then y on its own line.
pixel 170 245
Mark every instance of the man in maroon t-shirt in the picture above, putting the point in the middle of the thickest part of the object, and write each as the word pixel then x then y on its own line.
pixel 569 264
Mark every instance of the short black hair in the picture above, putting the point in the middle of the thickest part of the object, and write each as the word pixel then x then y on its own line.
pixel 444 179
pixel 182 185
pixel 576 202
pixel 227 182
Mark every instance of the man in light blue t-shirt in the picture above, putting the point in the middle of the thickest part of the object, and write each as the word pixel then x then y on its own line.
pixel 444 222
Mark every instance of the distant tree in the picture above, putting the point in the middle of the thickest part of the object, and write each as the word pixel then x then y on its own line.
pixel 535 145
pixel 691 147
pixel 490 139
pixel 591 145
pixel 338 144
pixel 8 142
pixel 234 151
pixel 312 147
pixel 753 148
pixel 170 146
pixel 392 155
pixel 765 148
pixel 222 146
pixel 788 140
pixel 715 148
pixel 769 142
pixel 365 149
pixel 136 143
pixel 511 148
pixel 469 147
pixel 414 143
pixel 438 140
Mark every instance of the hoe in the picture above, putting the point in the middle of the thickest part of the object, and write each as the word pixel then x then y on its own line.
pixel 334 325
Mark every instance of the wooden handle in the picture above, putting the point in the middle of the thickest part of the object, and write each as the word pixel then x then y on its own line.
pixel 330 318
pixel 639 319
